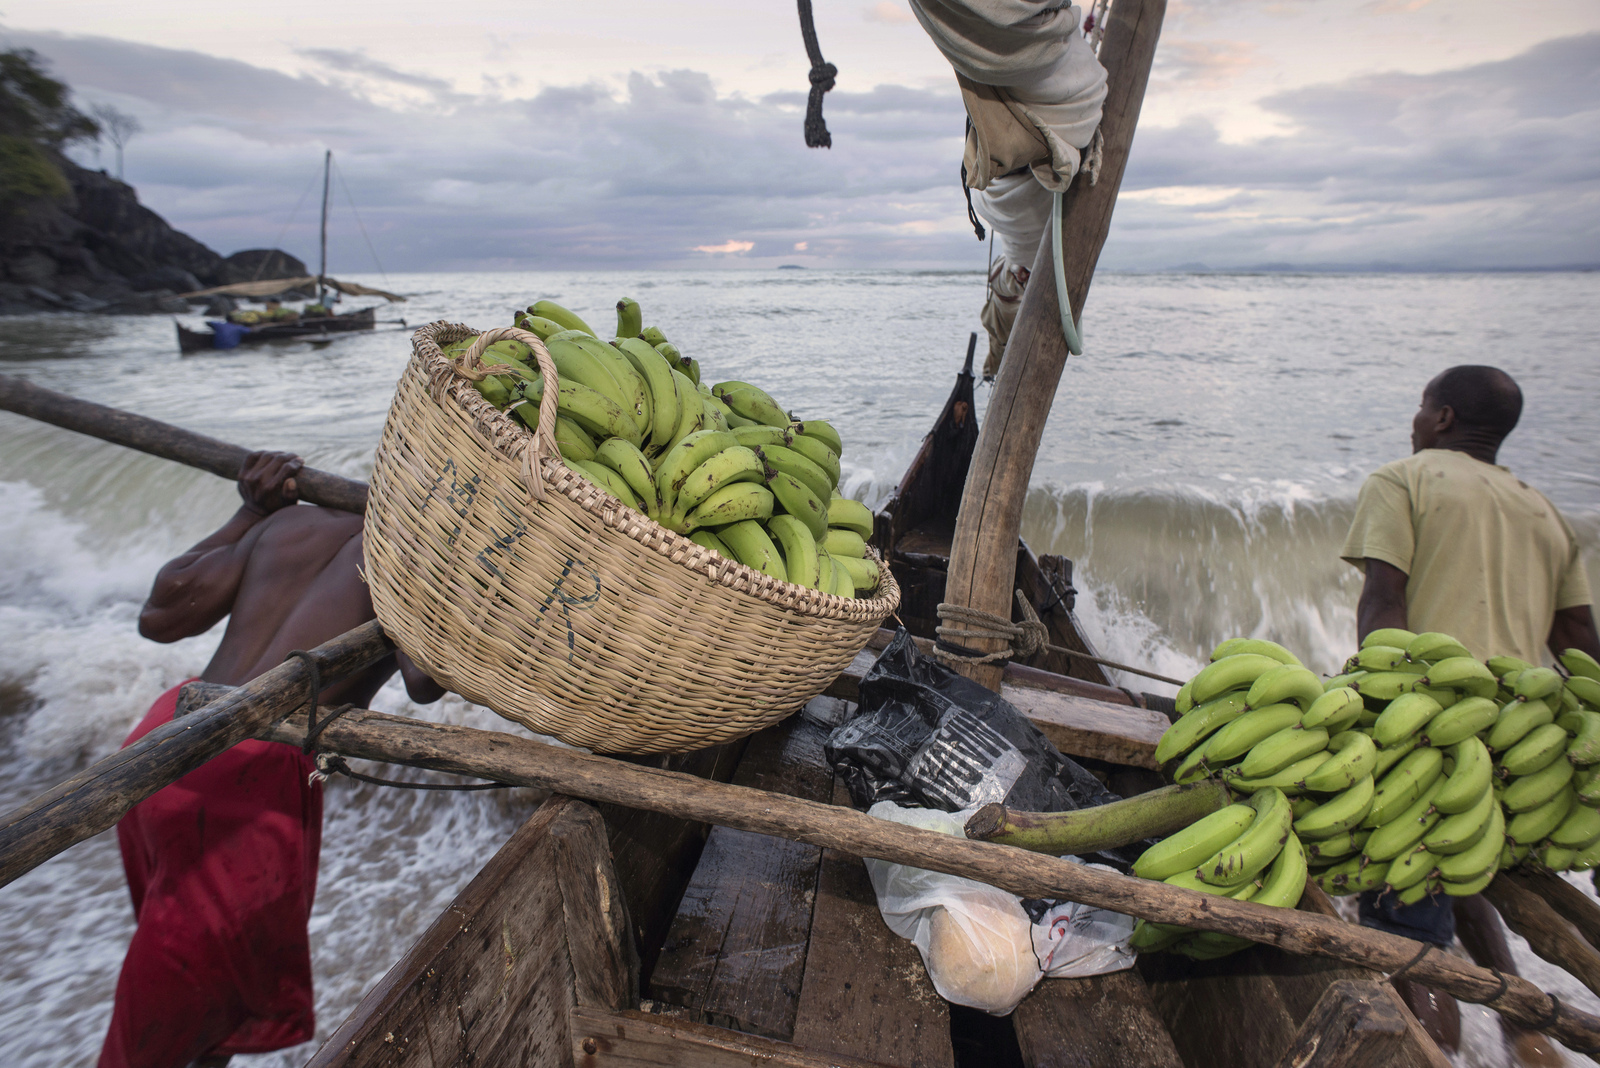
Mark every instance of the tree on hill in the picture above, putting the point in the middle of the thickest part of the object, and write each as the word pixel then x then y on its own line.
pixel 36 122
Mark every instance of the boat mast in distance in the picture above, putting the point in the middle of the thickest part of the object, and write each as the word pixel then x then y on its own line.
pixel 322 268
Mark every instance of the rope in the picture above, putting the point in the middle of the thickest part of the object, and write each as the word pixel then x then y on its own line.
pixel 1029 638
pixel 313 728
pixel 822 77
pixel 1497 995
pixel 333 763
pixel 1412 963
pixel 1069 330
pixel 348 199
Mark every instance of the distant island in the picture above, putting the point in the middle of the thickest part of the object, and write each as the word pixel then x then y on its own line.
pixel 791 267
pixel 73 239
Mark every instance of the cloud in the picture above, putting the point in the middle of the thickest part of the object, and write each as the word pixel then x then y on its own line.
pixel 1204 64
pixel 889 12
pixel 1496 164
pixel 727 247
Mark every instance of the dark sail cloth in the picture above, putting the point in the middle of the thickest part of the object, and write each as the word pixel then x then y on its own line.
pixel 222 866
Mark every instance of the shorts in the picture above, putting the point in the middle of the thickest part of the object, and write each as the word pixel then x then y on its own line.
pixel 1433 919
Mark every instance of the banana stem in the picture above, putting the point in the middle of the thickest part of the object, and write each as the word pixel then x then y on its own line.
pixel 1088 830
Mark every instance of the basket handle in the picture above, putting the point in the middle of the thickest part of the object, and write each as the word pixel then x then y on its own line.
pixel 542 443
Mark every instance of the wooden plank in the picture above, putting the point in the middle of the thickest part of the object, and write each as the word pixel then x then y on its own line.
pixel 97 797
pixel 983 558
pixel 605 963
pixel 735 953
pixel 1353 1025
pixel 525 762
pixel 866 992
pixel 1117 734
pixel 640 1040
pixel 1576 907
pixel 1101 1021
pixel 490 976
pixel 166 441
pixel 1547 932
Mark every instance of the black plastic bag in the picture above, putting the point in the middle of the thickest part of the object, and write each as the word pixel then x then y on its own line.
pixel 929 737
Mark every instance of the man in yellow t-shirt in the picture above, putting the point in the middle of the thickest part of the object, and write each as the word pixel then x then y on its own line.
pixel 1450 541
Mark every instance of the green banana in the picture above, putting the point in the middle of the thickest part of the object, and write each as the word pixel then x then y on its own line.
pixel 1567 701
pixel 1404 829
pixel 1417 891
pixel 549 309
pixel 817 453
pixel 850 515
pixel 1185 849
pixel 1354 757
pixel 1242 734
pixel 1587 784
pixel 1501 666
pixel 1334 710
pixel 1537 683
pixel 1404 717
pixel 823 431
pixel 494 391
pixel 863 573
pixel 626 460
pixel 1584 726
pixel 538 325
pixel 575 363
pixel 1529 828
pixel 1388 758
pixel 1462 720
pixel 653 335
pixel 1401 787
pixel 606 479
pixel 1580 664
pixel 630 320
pixel 1512 854
pixel 1256 847
pixel 1183 700
pixel 1384 686
pixel 574 441
pixel 1587 858
pixel 1261 646
pixel 1286 682
pixel 691 408
pixel 800 559
pixel 753 548
pixel 1196 725
pixel 1471 888
pixel 1584 689
pixel 1469 780
pixel 592 410
pixel 733 464
pixel 1517 719
pixel 1528 792
pixel 1384 658
pixel 1537 750
pixel 1556 858
pixel 841 542
pixel 796 498
pixel 1149 936
pixel 751 402
pixel 1580 830
pixel 1395 636
pixel 780 458
pixel 843 585
pixel 1230 673
pixel 732 504
pixel 1460 831
pixel 1351 876
pixel 825 574
pixel 1285 881
pixel 1432 645
pixel 1344 681
pixel 1411 869
pixel 1483 855
pixel 1303 806
pixel 1279 750
pixel 674 469
pixel 663 393
pixel 759 436
pixel 1341 813
pixel 1341 845
pixel 1461 673
pixel 708 540
pixel 717 413
pixel 1291 780
pixel 635 394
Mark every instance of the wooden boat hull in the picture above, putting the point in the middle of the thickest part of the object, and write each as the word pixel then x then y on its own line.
pixel 361 319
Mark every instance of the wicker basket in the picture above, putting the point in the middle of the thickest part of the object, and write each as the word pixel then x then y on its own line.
pixel 525 587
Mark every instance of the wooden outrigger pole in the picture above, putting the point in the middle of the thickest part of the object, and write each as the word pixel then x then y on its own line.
pixel 983 557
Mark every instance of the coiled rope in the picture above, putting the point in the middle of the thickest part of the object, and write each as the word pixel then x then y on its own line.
pixel 1023 639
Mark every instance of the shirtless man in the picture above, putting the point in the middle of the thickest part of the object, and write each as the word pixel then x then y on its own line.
pixel 222 864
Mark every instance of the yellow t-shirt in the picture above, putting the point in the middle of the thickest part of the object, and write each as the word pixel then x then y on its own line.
pixel 1488 558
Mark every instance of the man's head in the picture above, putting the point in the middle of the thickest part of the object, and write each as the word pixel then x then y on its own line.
pixel 1471 408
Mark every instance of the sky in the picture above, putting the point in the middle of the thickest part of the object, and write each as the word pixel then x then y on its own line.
pixel 483 134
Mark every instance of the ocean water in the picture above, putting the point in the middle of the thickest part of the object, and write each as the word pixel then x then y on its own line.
pixel 1200 466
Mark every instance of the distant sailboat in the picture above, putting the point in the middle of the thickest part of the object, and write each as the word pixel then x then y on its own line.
pixel 227 335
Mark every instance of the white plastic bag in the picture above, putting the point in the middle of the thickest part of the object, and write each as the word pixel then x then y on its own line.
pixel 981 946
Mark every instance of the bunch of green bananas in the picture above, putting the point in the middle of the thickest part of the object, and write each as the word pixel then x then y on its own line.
pixel 724 464
pixel 1246 851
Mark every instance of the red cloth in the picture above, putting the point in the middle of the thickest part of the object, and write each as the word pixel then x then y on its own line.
pixel 222 866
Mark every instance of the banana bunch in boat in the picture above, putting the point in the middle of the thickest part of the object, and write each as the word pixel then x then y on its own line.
pixel 1247 851
pixel 724 464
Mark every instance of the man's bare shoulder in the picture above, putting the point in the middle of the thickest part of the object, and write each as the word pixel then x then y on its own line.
pixel 306 527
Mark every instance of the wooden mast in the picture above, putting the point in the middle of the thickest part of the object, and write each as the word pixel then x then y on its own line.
pixel 322 271
pixel 983 557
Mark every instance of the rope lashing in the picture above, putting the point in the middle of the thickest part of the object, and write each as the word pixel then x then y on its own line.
pixel 333 764
pixel 313 728
pixel 822 77
pixel 1029 635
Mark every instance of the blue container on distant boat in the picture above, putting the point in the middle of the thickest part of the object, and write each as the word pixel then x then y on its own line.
pixel 225 335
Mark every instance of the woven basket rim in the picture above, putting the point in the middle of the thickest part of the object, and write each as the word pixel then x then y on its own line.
pixel 516 443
